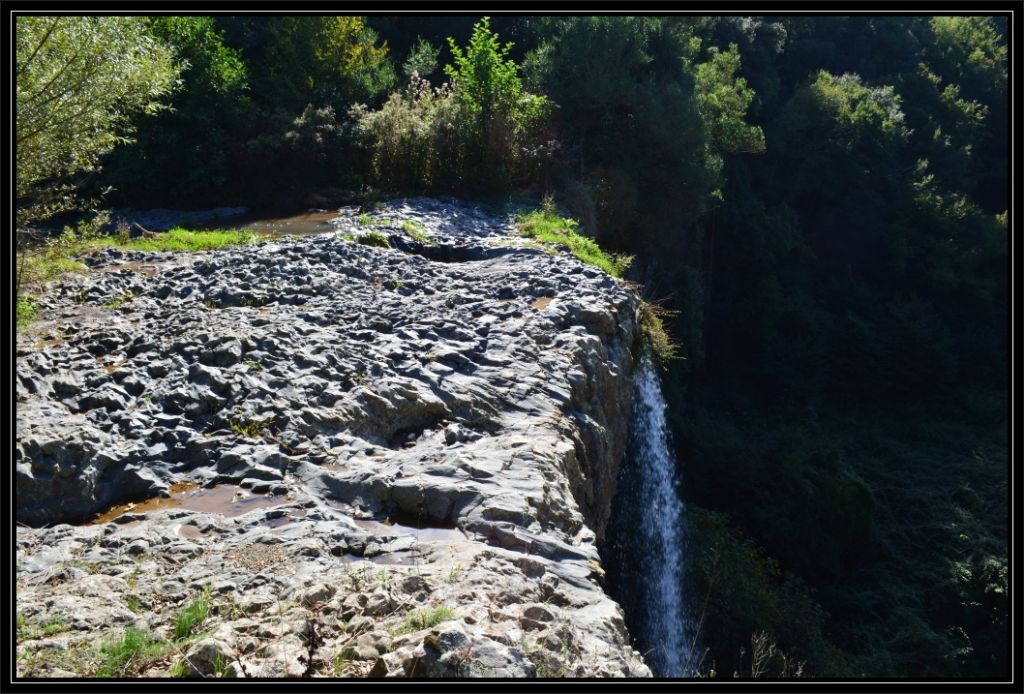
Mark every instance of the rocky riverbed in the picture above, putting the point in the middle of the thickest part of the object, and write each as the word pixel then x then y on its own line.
pixel 364 461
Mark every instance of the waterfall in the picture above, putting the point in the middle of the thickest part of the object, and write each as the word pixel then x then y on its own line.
pixel 667 630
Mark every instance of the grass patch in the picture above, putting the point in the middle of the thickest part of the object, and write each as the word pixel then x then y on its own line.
pixel 179 239
pixel 55 626
pixel 192 616
pixel 417 232
pixel 547 226
pixel 424 619
pixel 178 669
pixel 126 655
pixel 374 239
pixel 252 428
pixel 50 263
pixel 49 260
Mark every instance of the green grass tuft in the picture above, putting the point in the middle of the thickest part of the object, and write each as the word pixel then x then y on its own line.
pixel 134 604
pixel 374 239
pixel 120 300
pixel 26 631
pixel 252 428
pixel 424 619
pixel 192 616
pixel 55 626
pixel 124 656
pixel 546 226
pixel 416 231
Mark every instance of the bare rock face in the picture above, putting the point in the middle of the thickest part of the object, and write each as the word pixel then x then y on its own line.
pixel 375 461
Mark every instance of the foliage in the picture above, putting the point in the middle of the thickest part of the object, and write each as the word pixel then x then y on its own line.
pixel 78 81
pixel 422 59
pixel 332 60
pixel 723 100
pixel 26 310
pixel 635 158
pixel 547 226
pixel 652 323
pixel 252 428
pixel 417 137
pixel 742 592
pixel 186 150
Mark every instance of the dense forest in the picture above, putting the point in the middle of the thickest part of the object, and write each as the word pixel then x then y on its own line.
pixel 818 203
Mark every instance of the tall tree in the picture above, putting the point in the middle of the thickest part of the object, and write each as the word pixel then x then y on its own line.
pixel 78 82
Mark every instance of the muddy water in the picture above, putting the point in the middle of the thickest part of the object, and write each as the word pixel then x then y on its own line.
pixel 223 499
pixel 304 224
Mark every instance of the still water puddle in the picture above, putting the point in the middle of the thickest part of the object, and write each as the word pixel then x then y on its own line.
pixel 303 224
pixel 403 525
pixel 223 499
pixel 400 558
pixel 389 528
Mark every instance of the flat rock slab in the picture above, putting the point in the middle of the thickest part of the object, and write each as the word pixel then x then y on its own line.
pixel 441 424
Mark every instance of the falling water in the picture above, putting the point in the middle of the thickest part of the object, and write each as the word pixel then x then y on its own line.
pixel 668 632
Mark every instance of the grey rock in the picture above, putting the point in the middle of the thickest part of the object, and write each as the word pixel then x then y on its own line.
pixel 439 444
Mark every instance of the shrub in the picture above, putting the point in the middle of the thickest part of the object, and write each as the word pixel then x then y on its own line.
pixel 480 132
pixel 26 311
pixel 652 324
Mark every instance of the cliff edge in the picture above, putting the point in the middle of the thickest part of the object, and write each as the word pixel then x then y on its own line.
pixel 384 461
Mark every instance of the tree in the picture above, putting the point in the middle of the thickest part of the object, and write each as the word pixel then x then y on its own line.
pixel 188 151
pixel 78 82
pixel 333 61
pixel 723 99
pixel 487 85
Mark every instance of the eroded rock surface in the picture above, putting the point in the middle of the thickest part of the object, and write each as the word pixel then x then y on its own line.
pixel 442 423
